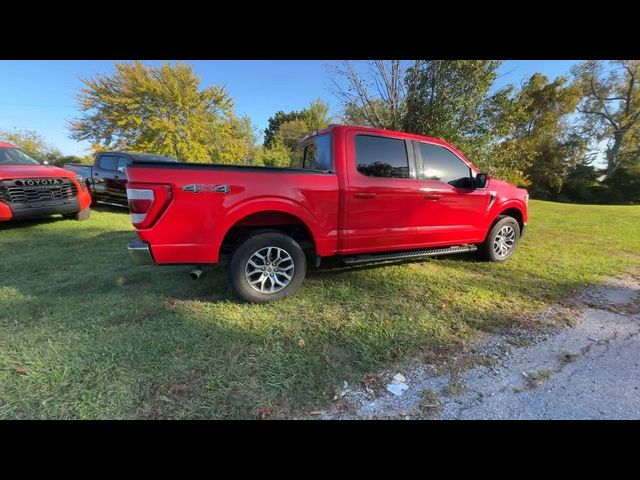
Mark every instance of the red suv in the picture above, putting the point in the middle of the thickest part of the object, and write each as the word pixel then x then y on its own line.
pixel 29 189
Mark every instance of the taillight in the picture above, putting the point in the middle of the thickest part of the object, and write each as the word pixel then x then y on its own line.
pixel 147 202
pixel 140 201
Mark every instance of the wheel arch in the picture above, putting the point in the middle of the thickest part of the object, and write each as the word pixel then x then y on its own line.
pixel 514 212
pixel 268 215
pixel 511 210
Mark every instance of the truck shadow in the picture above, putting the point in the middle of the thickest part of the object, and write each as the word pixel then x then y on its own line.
pixel 28 223
pixel 103 207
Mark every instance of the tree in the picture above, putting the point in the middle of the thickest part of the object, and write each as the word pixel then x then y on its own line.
pixel 624 185
pixel 60 161
pixel 232 142
pixel 316 116
pixel 274 125
pixel 32 143
pixel 611 104
pixel 275 156
pixel 290 133
pixel 375 98
pixel 581 184
pixel 439 98
pixel 285 130
pixel 534 141
pixel 159 110
pixel 449 99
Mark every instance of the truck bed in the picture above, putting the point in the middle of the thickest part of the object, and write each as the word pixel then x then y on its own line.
pixel 208 199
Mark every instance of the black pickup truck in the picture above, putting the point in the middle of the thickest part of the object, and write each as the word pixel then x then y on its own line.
pixel 106 179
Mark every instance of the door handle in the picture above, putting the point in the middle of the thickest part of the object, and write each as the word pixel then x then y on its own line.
pixel 432 196
pixel 116 177
pixel 365 195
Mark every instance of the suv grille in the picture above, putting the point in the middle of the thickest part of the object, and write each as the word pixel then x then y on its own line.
pixel 37 190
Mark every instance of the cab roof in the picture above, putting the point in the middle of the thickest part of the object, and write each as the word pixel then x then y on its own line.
pixel 382 131
pixel 6 145
pixel 393 133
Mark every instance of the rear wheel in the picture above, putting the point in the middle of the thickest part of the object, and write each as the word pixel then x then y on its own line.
pixel 502 240
pixel 80 216
pixel 266 267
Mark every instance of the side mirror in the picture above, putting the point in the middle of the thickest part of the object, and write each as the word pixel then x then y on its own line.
pixel 120 169
pixel 481 180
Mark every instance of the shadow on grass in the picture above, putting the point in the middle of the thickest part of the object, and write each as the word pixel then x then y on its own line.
pixel 104 207
pixel 28 223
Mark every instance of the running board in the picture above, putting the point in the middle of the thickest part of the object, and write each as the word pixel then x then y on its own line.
pixel 412 254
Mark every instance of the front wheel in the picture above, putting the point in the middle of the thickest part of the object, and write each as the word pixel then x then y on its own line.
pixel 501 241
pixel 266 267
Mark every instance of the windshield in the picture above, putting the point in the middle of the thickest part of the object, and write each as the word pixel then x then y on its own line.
pixel 15 156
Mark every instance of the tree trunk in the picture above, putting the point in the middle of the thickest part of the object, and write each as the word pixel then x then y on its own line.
pixel 612 154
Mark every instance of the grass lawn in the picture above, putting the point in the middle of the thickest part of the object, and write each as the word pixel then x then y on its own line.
pixel 85 334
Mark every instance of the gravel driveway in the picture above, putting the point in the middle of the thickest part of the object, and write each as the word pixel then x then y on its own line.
pixel 587 370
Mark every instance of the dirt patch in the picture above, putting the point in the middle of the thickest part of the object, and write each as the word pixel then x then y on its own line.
pixel 571 365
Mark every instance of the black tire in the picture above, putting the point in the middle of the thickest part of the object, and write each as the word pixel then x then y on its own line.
pixel 486 249
pixel 80 216
pixel 258 245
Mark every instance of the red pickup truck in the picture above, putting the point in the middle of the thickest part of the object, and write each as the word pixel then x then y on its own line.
pixel 360 194
pixel 29 189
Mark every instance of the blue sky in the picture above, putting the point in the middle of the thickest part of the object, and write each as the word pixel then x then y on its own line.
pixel 40 95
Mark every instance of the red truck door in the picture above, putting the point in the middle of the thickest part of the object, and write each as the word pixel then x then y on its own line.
pixel 451 211
pixel 382 194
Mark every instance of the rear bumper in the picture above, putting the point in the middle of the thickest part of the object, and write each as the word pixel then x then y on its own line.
pixel 21 211
pixel 140 253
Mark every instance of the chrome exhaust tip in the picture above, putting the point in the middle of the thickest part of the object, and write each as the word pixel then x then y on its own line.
pixel 196 272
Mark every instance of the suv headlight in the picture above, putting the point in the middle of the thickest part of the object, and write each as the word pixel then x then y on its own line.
pixel 80 180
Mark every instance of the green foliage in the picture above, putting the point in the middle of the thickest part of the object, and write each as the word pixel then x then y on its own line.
pixel 60 161
pixel 32 143
pixel 161 110
pixel 285 131
pixel 624 184
pixel 290 133
pixel 275 156
pixel 274 125
pixel 448 98
pixel 316 115
pixel 232 142
pixel 535 147
pixel 610 106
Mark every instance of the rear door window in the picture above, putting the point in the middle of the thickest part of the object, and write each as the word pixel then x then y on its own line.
pixel 381 157
pixel 317 153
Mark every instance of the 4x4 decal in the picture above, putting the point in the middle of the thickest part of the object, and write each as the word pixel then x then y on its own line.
pixel 197 188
